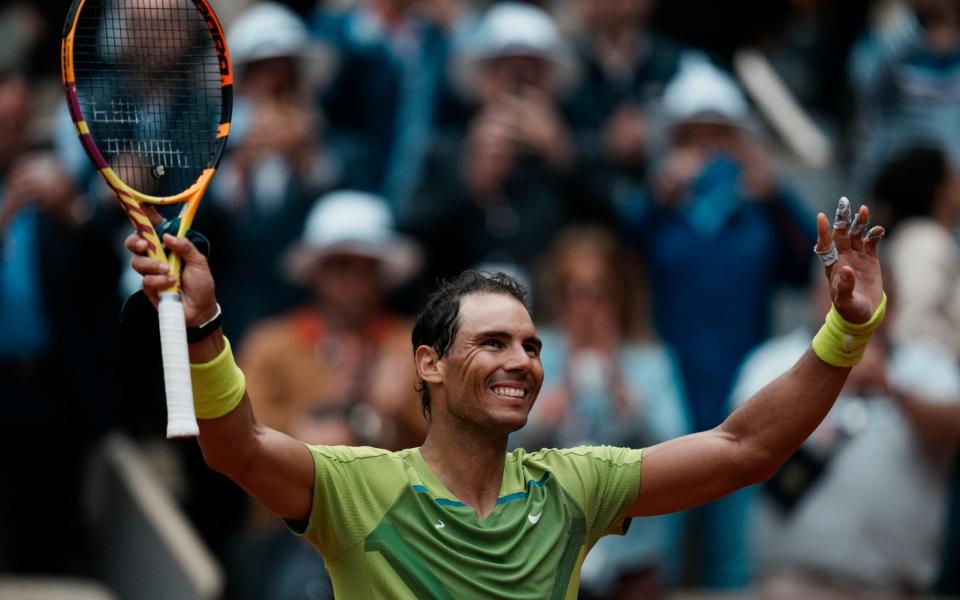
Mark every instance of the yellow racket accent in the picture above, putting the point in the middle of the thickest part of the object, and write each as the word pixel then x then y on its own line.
pixel 149 88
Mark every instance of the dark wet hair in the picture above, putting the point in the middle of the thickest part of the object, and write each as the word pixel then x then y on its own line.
pixel 438 322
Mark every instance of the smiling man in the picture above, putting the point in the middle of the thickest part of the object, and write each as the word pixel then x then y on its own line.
pixel 460 517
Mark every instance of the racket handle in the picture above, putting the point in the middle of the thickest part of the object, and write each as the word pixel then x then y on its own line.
pixel 181 420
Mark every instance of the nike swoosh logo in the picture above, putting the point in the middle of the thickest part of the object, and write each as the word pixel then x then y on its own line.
pixel 533 518
pixel 439 524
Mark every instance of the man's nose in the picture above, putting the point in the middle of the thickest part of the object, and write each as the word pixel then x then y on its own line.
pixel 519 359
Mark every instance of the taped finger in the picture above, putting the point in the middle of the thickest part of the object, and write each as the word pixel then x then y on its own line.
pixel 876 232
pixel 858 227
pixel 827 257
pixel 842 220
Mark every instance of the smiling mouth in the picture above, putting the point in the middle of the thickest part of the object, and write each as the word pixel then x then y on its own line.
pixel 510 392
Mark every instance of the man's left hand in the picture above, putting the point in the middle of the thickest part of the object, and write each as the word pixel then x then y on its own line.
pixel 856 285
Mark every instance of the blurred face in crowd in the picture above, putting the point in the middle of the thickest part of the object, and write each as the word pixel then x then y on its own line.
pixel 270 78
pixel 14 112
pixel 350 287
pixel 512 75
pixel 707 137
pixel 151 49
pixel 588 290
pixel 604 15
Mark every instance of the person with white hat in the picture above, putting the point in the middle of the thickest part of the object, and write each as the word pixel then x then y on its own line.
pixel 626 65
pixel 343 355
pixel 272 49
pixel 382 101
pixel 334 371
pixel 498 191
pixel 715 222
pixel 278 159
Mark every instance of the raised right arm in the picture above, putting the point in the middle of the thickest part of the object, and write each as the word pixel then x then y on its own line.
pixel 272 467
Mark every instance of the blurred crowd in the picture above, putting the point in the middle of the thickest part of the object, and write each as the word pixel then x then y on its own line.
pixel 621 157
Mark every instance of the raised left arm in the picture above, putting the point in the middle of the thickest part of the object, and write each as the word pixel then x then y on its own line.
pixel 757 438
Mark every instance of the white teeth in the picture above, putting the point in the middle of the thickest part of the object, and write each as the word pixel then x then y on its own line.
pixel 507 391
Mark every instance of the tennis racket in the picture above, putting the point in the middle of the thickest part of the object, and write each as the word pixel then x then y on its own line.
pixel 149 88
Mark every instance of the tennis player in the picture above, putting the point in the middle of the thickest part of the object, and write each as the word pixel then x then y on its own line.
pixel 460 517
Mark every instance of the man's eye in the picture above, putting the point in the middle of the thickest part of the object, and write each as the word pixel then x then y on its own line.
pixel 493 343
pixel 533 350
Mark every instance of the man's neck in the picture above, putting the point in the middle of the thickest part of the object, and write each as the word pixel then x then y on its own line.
pixel 469 464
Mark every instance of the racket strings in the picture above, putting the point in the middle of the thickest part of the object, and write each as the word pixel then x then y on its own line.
pixel 148 84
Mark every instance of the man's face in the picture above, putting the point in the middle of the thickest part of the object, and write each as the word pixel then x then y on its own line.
pixel 492 373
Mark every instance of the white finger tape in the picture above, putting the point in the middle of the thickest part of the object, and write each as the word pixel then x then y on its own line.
pixel 827 257
pixel 842 220
pixel 858 227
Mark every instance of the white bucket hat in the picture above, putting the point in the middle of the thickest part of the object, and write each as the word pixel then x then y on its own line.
pixel 514 29
pixel 356 223
pixel 702 93
pixel 272 30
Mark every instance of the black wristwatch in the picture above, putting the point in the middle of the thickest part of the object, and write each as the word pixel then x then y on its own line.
pixel 195 334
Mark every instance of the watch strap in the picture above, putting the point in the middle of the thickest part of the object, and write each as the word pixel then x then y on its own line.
pixel 195 334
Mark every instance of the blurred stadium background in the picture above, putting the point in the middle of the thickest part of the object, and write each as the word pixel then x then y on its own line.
pixel 651 169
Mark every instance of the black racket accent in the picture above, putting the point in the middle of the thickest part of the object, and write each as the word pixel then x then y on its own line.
pixel 148 79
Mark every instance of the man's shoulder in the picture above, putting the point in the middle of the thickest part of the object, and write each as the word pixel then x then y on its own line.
pixel 355 453
pixel 572 458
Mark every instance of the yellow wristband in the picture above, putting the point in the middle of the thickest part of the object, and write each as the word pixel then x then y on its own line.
pixel 841 343
pixel 218 385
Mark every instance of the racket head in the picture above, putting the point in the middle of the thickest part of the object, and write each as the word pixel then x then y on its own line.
pixel 149 87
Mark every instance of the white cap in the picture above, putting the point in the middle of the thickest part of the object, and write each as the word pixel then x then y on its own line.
pixel 702 93
pixel 357 223
pixel 272 30
pixel 515 29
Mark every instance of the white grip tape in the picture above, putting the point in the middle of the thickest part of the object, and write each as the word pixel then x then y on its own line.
pixel 181 420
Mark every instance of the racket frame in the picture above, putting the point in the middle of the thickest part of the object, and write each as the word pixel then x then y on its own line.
pixel 181 420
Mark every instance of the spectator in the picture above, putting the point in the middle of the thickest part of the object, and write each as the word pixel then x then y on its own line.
pixel 860 510
pixel 277 161
pixel 921 190
pixel 335 372
pixel 382 101
pixel 716 223
pixel 905 74
pixel 714 194
pixel 609 382
pixel 343 353
pixel 498 193
pixel 55 388
pixel 626 67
